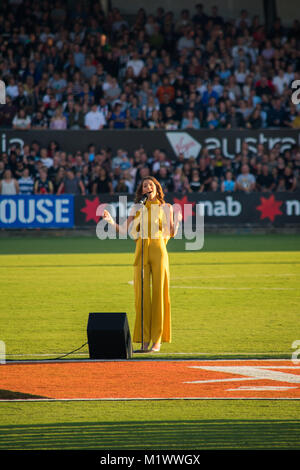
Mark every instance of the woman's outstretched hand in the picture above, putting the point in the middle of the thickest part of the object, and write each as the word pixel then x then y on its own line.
pixel 177 216
pixel 106 216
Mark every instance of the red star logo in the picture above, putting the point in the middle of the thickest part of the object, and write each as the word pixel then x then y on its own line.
pixel 90 209
pixel 269 208
pixel 187 211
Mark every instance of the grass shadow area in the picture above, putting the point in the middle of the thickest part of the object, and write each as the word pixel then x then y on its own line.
pixel 196 434
pixel 42 244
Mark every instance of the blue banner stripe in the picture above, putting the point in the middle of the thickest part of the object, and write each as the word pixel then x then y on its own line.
pixel 37 211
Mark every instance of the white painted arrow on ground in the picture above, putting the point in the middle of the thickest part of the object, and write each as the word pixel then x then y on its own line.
pixel 250 372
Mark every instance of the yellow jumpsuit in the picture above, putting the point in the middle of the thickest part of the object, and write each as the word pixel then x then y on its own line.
pixel 156 304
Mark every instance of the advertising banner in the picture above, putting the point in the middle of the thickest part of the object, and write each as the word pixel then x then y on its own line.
pixel 37 211
pixel 189 142
pixel 260 209
pixel 68 211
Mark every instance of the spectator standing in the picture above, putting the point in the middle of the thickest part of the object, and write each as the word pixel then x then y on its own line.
pixel 26 182
pixel 205 174
pixel 94 119
pixel 195 182
pixel 165 89
pixel 88 69
pixel 265 181
pixel 39 120
pixel 277 115
pixel 255 121
pixel 118 117
pixel 12 89
pixel 186 41
pixel 21 120
pixel 71 184
pixel 245 181
pixel 136 63
pixel 43 185
pixel 180 181
pixel 190 121
pixel 102 183
pixel 234 119
pixel 281 81
pixel 155 120
pixel 290 181
pixel 75 118
pixel 8 185
pixel 58 121
pixel 45 160
pixel 228 185
pixel 7 113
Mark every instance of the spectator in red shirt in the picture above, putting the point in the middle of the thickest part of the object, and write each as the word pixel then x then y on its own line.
pixel 165 88
pixel 264 86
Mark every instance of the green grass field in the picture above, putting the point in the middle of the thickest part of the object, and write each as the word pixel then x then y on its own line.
pixel 239 297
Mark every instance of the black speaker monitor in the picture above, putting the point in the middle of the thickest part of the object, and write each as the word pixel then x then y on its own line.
pixel 109 336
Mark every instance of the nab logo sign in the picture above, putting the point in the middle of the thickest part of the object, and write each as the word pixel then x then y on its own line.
pixel 2 92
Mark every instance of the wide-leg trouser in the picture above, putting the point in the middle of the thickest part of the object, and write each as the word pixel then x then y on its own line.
pixel 157 309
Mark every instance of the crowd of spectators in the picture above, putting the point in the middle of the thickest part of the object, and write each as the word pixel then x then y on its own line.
pixel 40 170
pixel 79 68
pixel 75 67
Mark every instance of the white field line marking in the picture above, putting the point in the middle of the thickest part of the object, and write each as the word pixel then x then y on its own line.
pixel 259 389
pixel 235 288
pixel 230 288
pixel 142 399
pixel 43 354
pixel 152 358
pixel 221 276
pixel 157 357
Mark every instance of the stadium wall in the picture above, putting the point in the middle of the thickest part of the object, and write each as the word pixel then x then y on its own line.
pixel 189 141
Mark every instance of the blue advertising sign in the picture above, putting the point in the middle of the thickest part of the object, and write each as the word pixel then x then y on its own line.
pixel 37 211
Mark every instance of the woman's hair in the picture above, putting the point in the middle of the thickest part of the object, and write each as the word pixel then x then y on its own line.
pixel 139 192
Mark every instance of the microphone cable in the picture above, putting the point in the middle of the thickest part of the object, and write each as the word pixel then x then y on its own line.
pixel 54 359
pixel 71 352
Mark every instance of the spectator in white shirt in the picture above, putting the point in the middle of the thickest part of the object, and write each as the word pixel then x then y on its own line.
pixel 136 63
pixel 21 120
pixel 12 89
pixel 186 41
pixel 45 160
pixel 281 81
pixel 94 119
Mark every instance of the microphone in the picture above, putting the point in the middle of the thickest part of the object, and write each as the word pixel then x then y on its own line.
pixel 144 198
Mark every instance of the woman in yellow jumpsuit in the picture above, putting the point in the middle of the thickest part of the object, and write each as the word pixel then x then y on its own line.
pixel 157 227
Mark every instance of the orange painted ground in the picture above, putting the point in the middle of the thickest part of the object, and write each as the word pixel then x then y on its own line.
pixel 154 379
